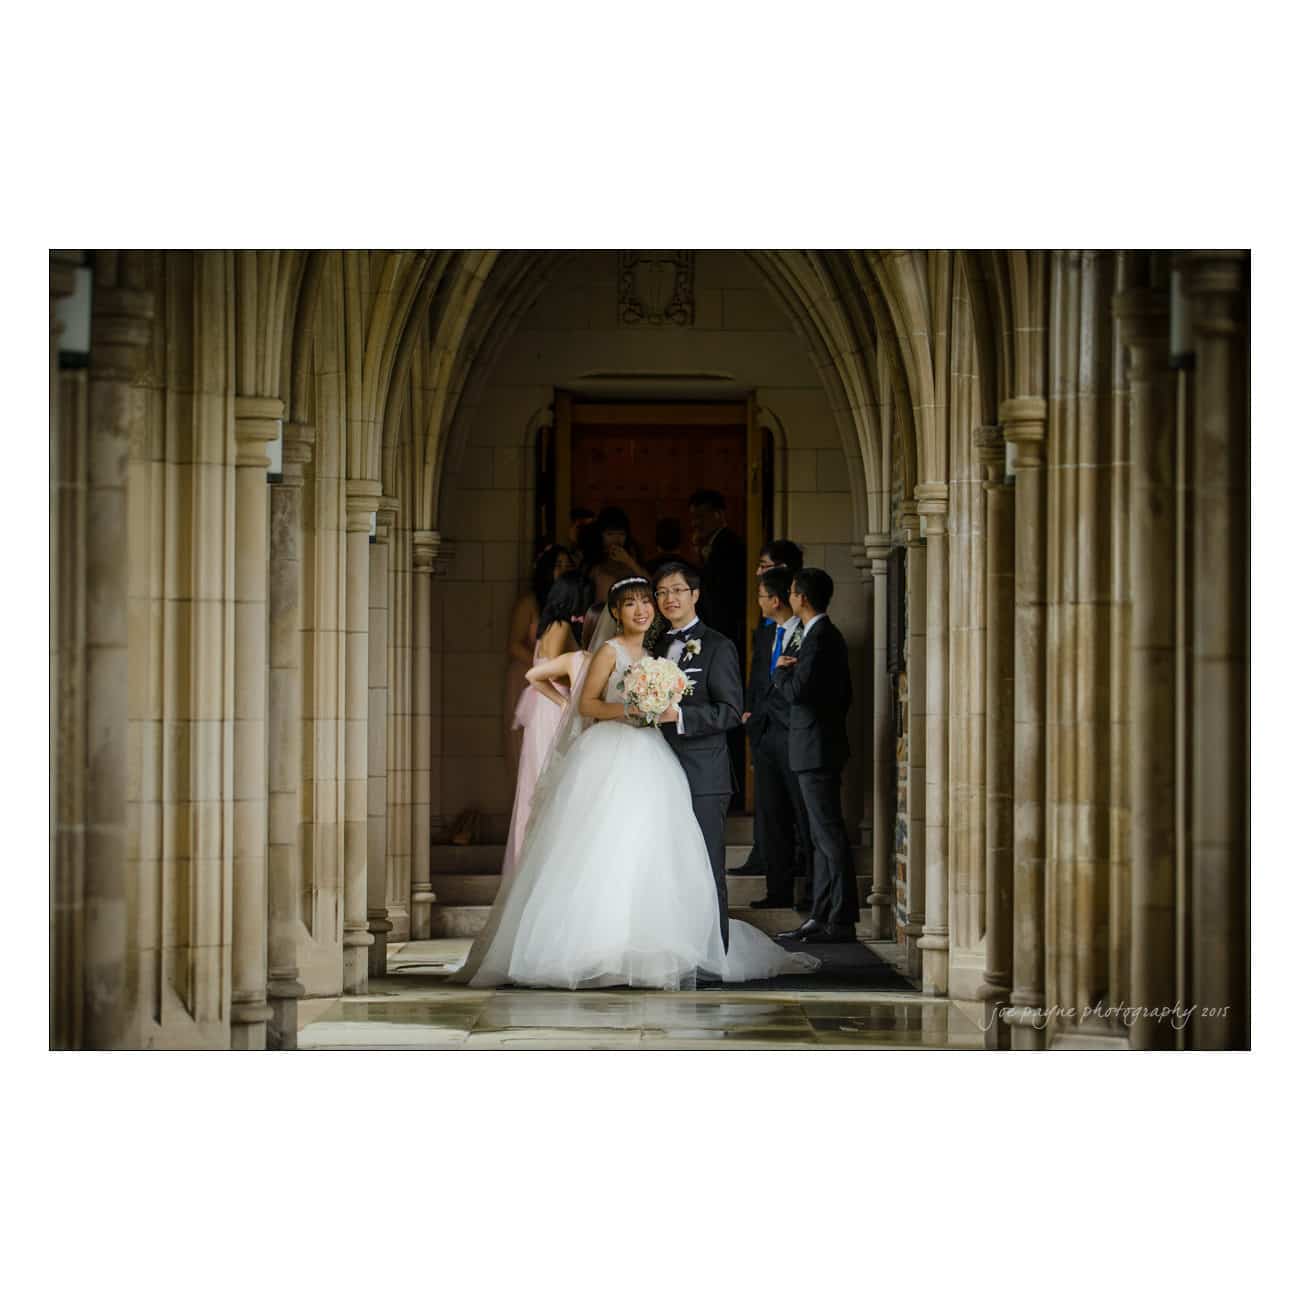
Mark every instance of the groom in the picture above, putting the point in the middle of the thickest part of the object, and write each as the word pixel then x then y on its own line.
pixel 697 730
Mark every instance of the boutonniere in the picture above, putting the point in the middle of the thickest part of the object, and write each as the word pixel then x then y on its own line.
pixel 691 649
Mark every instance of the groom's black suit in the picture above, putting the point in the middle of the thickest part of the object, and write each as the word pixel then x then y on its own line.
pixel 708 713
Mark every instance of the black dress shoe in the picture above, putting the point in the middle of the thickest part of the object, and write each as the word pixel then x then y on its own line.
pixel 748 869
pixel 831 934
pixel 785 903
pixel 807 932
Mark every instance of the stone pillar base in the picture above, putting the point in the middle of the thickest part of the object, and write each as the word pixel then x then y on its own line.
pixel 934 963
pixel 377 961
pixel 882 918
pixel 912 950
pixel 422 914
pixel 1028 1027
pixel 282 1028
pixel 248 1026
pixel 996 999
pixel 356 962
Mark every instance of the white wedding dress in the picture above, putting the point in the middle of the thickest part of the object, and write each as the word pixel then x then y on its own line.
pixel 613 884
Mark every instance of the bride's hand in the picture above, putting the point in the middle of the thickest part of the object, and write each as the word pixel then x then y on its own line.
pixel 670 714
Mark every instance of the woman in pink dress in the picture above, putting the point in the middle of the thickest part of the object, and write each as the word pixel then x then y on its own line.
pixel 555 662
pixel 521 643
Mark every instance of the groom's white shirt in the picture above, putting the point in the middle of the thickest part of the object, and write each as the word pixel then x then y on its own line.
pixel 675 652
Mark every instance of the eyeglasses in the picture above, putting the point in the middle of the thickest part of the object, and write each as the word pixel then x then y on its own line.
pixel 661 592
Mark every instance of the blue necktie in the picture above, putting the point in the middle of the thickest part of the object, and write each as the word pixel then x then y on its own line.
pixel 776 650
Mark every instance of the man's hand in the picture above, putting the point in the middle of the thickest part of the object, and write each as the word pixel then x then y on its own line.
pixel 744 717
pixel 787 661
pixel 670 714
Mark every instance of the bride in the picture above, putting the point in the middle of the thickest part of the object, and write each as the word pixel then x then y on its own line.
pixel 613 883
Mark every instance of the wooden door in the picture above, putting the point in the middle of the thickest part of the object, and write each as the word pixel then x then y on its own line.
pixel 648 458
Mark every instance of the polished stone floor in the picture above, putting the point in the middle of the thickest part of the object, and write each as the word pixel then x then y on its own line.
pixel 414 1007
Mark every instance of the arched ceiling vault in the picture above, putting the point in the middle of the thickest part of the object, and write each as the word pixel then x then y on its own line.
pixel 424 329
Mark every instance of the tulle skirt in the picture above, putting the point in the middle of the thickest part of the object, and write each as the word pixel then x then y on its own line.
pixel 613 884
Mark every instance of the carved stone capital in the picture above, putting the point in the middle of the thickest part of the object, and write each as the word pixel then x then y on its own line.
pixel 257 422
pixel 910 522
pixel 425 544
pixel 932 506
pixel 1143 317
pixel 1024 423
pixel 121 329
pixel 1216 282
pixel 877 547
pixel 299 446
pixel 386 517
pixel 363 495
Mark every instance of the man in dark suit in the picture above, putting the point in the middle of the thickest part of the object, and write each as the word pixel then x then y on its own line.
pixel 815 682
pixel 780 821
pixel 724 586
pixel 697 730
pixel 722 558
pixel 779 551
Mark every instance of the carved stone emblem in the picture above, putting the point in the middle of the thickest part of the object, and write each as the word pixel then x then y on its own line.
pixel 656 288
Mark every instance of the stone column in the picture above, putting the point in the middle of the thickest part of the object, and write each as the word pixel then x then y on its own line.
pixel 377 732
pixel 932 503
pixel 424 547
pixel 1219 860
pixel 256 423
pixel 284 851
pixel 66 749
pixel 916 735
pixel 880 900
pixel 363 496
pixel 120 338
pixel 1024 421
pixel 1143 314
pixel 999 736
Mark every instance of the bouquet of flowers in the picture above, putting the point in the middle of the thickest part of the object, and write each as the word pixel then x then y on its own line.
pixel 652 686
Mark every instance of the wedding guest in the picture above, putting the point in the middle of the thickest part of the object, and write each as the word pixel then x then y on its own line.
pixel 612 552
pixel 812 675
pixel 722 565
pixel 580 520
pixel 780 820
pixel 780 551
pixel 790 555
pixel 668 540
pixel 552 563
pixel 543 700
pixel 723 591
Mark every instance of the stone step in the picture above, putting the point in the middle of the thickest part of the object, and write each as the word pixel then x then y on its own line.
pixel 461 890
pixel 485 859
pixel 464 919
pixel 458 922
pixel 768 919
pixel 462 859
pixel 740 829
pixel 480 889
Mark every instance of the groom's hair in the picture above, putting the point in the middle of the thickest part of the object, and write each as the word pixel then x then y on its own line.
pixel 690 576
pixel 817 587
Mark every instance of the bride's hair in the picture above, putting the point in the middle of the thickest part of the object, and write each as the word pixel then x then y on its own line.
pixel 622 590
